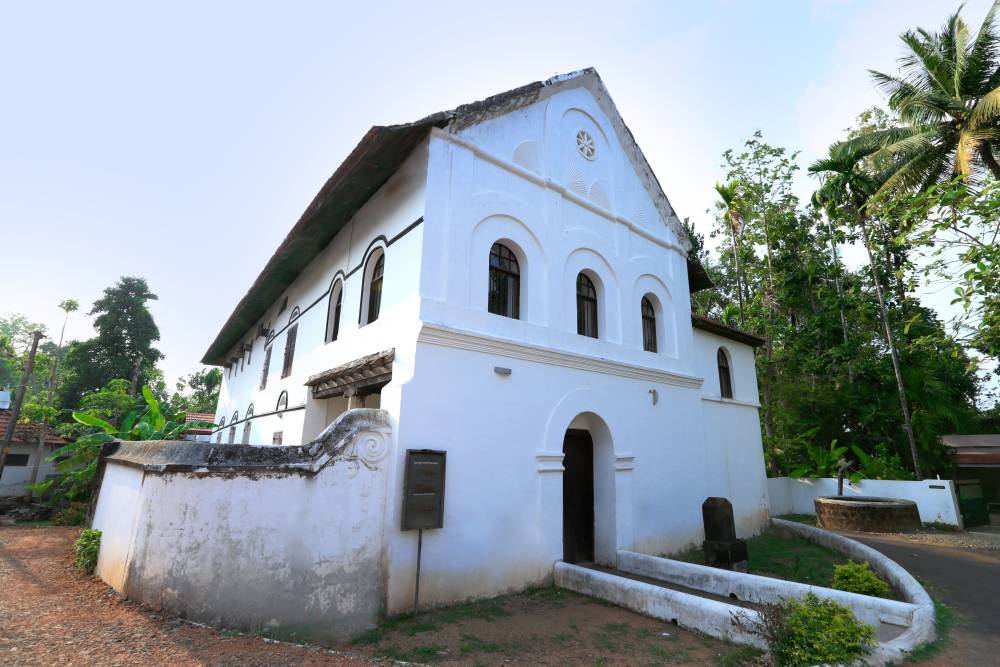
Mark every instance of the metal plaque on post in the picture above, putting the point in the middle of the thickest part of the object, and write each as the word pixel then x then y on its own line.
pixel 423 489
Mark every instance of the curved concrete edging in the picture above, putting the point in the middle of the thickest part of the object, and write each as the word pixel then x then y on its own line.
pixel 709 617
pixel 923 626
pixel 758 589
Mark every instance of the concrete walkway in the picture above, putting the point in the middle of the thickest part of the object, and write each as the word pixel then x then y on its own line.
pixel 967 580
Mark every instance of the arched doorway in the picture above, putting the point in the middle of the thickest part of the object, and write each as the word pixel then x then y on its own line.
pixel 578 496
pixel 589 492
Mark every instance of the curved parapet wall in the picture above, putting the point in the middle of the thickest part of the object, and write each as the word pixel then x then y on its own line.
pixel 285 541
pixel 923 625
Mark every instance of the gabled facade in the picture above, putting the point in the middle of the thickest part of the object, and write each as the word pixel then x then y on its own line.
pixel 506 282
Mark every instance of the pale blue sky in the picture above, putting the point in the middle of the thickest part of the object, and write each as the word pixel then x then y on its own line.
pixel 181 143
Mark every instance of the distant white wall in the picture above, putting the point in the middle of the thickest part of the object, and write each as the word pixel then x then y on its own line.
pixel 935 498
pixel 16 476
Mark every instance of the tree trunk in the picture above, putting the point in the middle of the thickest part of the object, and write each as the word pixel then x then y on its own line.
pixel 40 447
pixel 890 339
pixel 15 412
pixel 986 151
pixel 739 278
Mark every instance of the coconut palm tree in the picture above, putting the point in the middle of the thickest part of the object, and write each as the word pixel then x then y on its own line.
pixel 734 215
pixel 848 188
pixel 947 93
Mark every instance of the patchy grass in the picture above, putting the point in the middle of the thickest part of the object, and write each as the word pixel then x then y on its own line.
pixel 539 626
pixel 473 644
pixel 943 527
pixel 739 656
pixel 794 558
pixel 946 620
pixel 693 554
pixel 424 653
pixel 776 554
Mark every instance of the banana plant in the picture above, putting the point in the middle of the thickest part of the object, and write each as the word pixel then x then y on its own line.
pixel 822 462
pixel 78 460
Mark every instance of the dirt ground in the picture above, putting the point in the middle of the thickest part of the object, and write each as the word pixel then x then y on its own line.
pixel 546 626
pixel 50 614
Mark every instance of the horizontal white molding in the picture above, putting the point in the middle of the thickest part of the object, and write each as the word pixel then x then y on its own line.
pixel 624 462
pixel 550 461
pixel 435 334
pixel 731 401
pixel 549 184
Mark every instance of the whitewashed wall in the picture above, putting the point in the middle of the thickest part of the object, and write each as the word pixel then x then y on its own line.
pixel 394 208
pixel 935 498
pixel 519 179
pixel 291 556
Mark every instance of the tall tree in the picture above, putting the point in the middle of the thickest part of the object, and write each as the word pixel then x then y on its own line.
pixel 124 342
pixel 847 188
pixel 67 306
pixel 732 211
pixel 947 93
pixel 197 392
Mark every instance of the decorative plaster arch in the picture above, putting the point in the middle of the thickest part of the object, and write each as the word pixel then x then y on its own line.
pixel 666 321
pixel 593 263
pixel 375 249
pixel 586 408
pixel 530 257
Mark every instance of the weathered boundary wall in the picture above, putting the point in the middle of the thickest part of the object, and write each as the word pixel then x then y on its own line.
pixel 935 498
pixel 284 541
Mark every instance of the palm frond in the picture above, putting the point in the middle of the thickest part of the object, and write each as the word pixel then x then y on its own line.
pixel 982 63
pixel 926 66
pixel 987 110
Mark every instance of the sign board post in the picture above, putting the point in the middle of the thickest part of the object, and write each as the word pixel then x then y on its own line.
pixel 423 498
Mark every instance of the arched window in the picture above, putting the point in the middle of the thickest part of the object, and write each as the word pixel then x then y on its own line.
pixel 282 401
pixel 246 425
pixel 371 298
pixel 266 368
pixel 290 335
pixel 218 434
pixel 648 325
pixel 586 307
pixel 725 376
pixel 294 316
pixel 505 282
pixel 236 417
pixel 333 311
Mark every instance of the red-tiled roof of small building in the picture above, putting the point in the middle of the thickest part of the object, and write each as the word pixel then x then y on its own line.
pixel 27 432
pixel 199 417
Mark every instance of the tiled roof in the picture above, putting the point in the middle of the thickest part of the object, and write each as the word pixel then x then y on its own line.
pixel 199 417
pixel 28 432
pixel 726 330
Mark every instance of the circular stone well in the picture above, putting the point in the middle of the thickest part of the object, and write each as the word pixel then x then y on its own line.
pixel 867 513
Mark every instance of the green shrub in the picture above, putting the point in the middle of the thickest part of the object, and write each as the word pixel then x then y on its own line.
pixel 74 515
pixel 86 548
pixel 812 631
pixel 859 578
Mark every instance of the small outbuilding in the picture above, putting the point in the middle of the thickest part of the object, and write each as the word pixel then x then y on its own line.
pixel 977 476
pixel 22 452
